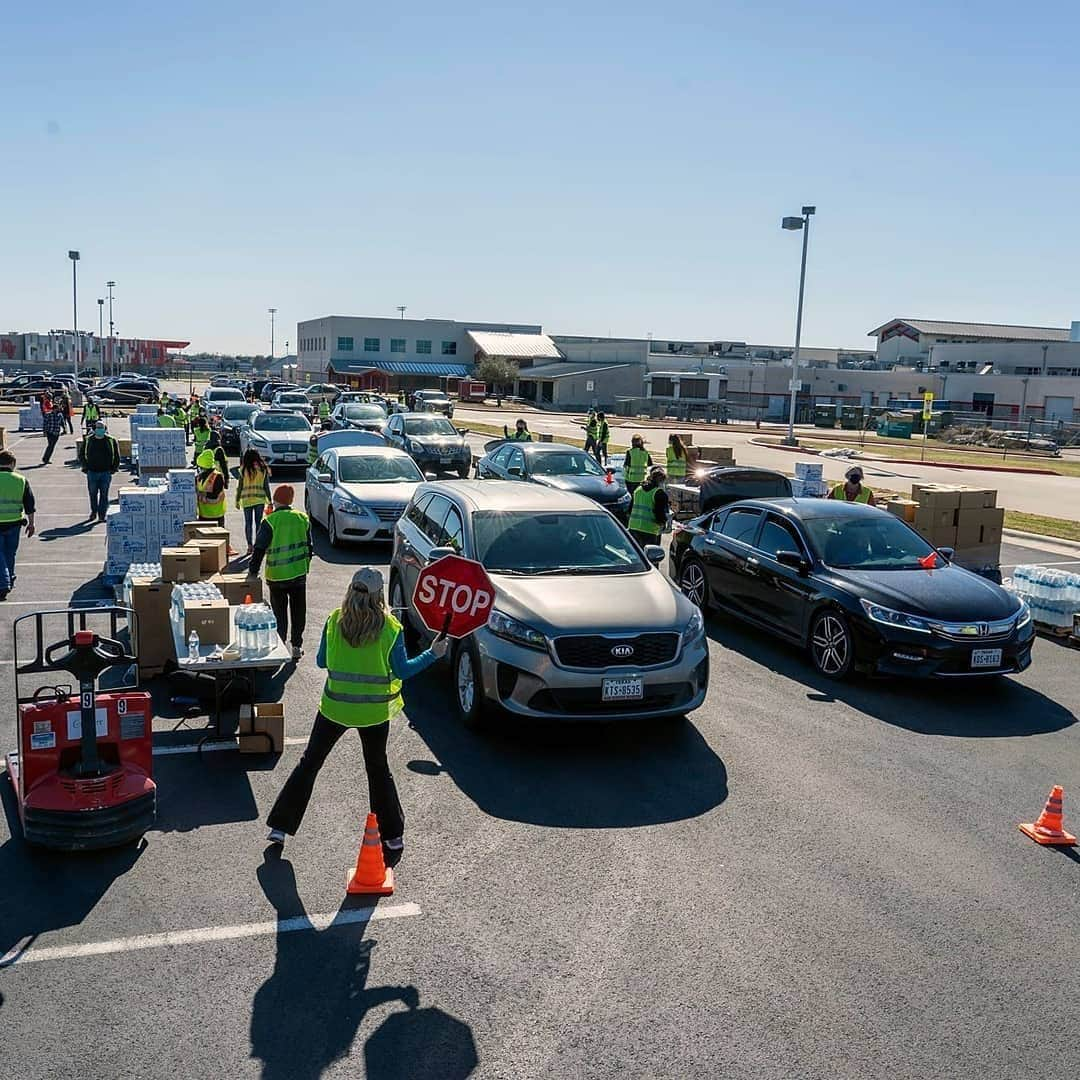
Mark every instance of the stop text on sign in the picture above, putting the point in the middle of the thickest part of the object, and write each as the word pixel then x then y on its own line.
pixel 455 595
pixel 459 599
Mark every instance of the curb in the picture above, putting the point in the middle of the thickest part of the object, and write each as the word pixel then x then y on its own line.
pixel 1072 545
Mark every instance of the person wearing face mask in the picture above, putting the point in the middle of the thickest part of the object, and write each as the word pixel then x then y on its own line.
pixel 100 460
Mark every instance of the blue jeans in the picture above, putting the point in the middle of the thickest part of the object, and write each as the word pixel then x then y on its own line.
pixel 9 546
pixel 253 516
pixel 97 483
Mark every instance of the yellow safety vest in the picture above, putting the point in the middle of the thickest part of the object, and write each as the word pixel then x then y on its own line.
pixel 642 513
pixel 676 466
pixel 252 489
pixel 201 438
pixel 166 421
pixel 12 489
pixel 639 462
pixel 360 689
pixel 592 428
pixel 209 506
pixel 520 436
pixel 324 410
pixel 288 556
pixel 839 493
pixel 90 412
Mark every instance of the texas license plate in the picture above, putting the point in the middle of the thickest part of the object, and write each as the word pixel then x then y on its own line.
pixel 288 457
pixel 985 658
pixel 623 689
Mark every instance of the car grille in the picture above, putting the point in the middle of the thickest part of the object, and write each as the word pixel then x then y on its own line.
pixel 389 513
pixel 289 447
pixel 588 701
pixel 976 631
pixel 595 650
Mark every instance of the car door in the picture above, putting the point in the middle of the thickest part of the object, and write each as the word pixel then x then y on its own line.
pixel 413 542
pixel 319 490
pixel 496 463
pixel 394 432
pixel 515 464
pixel 725 549
pixel 783 595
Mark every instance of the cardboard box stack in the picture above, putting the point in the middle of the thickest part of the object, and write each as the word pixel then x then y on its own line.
pixel 963 518
pixel 708 455
pixel 30 418
pixel 809 481
pixel 149 517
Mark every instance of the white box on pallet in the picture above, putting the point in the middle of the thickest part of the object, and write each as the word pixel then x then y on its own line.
pixel 181 480
pixel 808 470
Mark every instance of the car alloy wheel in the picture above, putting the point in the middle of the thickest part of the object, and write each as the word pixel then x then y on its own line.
pixel 830 644
pixel 469 689
pixel 693 584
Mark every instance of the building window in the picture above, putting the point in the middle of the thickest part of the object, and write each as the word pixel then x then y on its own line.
pixel 344 344
pixel 662 387
pixel 449 348
pixel 154 353
pixel 371 344
pixel 397 344
pixel 694 388
pixel 423 346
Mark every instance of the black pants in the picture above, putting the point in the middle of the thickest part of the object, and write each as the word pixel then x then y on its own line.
pixel 70 425
pixel 289 807
pixel 644 538
pixel 50 446
pixel 290 597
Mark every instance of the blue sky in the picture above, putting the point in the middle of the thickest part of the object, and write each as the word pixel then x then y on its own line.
pixel 596 167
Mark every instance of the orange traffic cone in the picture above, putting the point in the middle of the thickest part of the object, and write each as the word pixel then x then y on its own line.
pixel 1049 828
pixel 371 876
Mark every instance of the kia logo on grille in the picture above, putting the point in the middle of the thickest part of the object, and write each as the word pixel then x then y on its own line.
pixel 622 652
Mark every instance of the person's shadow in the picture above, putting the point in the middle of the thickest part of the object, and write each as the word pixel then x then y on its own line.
pixel 307 1013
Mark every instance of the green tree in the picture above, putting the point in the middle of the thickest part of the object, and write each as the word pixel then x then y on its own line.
pixel 498 373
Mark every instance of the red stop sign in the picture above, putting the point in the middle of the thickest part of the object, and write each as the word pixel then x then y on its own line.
pixel 456 589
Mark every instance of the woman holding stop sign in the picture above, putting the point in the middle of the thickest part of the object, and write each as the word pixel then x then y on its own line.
pixel 363 652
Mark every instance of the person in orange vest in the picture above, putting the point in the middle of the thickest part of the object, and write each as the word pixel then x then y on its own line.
pixel 852 489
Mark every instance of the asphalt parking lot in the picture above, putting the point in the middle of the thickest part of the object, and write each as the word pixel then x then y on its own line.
pixel 805 879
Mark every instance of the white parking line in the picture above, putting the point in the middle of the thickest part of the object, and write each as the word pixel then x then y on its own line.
pixel 211 747
pixel 25 951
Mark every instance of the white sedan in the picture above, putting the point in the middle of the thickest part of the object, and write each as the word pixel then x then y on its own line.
pixel 359 492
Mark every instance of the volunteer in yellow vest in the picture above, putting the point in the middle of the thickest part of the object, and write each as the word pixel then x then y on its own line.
pixel 284 540
pixel 363 652
pixel 324 410
pixel 182 421
pixel 676 459
pixel 521 432
pixel 16 510
pixel 636 463
pixel 649 510
pixel 90 415
pixel 200 431
pixel 852 489
pixel 252 493
pixel 603 434
pixel 209 489
pixel 592 430
pixel 164 419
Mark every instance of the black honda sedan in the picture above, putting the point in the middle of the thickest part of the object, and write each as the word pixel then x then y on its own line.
pixel 855 586
pixel 555 465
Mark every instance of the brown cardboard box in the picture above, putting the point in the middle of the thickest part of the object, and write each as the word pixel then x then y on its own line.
pixel 968 533
pixel 721 455
pixel 124 446
pixel 234 587
pixel 181 564
pixel 904 509
pixel 212 554
pixel 191 528
pixel 939 497
pixel 979 556
pixel 928 519
pixel 204 530
pixel 209 619
pixel 151 599
pixel 977 499
pixel 269 718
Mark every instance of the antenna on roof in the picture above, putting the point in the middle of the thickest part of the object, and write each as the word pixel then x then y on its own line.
pixel 401 310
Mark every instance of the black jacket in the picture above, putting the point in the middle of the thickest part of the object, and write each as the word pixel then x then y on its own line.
pixel 100 455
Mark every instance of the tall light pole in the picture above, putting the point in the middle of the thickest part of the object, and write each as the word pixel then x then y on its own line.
pixel 101 332
pixel 110 285
pixel 401 310
pixel 273 312
pixel 796 223
pixel 74 257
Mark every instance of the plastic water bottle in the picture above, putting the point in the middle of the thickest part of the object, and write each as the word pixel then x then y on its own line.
pixel 271 629
pixel 193 645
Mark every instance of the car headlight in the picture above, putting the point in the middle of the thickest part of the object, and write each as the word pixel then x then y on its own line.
pixel 624 500
pixel 899 620
pixel 351 506
pixel 254 436
pixel 503 626
pixel 694 628
pixel 1023 614
pixel 415 447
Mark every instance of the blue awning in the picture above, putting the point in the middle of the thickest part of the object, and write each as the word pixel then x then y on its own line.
pixel 401 367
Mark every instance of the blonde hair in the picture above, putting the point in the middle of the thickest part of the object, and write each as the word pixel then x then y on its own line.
pixel 363 614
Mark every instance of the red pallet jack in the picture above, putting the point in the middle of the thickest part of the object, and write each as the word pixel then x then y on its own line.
pixel 83 770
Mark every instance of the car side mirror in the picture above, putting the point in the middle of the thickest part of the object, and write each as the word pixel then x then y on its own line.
pixel 655 554
pixel 437 553
pixel 948 552
pixel 794 560
pixel 325 477
pixel 514 470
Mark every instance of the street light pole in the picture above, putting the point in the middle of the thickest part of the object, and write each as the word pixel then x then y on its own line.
pixel 273 312
pixel 101 331
pixel 74 257
pixel 794 223
pixel 110 285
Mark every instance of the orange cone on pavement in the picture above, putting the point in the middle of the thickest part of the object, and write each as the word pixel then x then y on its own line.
pixel 1049 829
pixel 371 876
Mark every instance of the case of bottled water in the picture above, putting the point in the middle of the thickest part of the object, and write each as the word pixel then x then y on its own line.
pixel 1053 595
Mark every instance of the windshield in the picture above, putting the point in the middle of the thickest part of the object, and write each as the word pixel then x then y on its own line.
pixel 293 399
pixel 429 425
pixel 218 394
pixel 377 469
pixel 570 463
pixel 365 412
pixel 882 542
pixel 564 542
pixel 280 422
pixel 237 412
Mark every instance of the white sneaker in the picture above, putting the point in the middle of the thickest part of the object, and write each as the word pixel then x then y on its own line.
pixel 276 836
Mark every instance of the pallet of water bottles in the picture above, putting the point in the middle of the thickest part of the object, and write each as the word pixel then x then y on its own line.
pixel 1053 596
pixel 31 418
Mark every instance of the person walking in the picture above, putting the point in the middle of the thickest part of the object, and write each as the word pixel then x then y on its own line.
pixel 253 493
pixel 284 540
pixel 650 508
pixel 363 653
pixel 676 459
pixel 592 430
pixel 852 490
pixel 90 414
pixel 521 432
pixel 100 461
pixel 63 406
pixel 636 463
pixel 16 510
pixel 200 435
pixel 603 434
pixel 52 424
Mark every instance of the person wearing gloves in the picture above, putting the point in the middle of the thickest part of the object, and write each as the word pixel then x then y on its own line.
pixel 363 653
pixel 649 510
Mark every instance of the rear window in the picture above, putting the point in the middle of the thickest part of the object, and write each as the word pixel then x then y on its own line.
pixel 735 486
pixel 221 394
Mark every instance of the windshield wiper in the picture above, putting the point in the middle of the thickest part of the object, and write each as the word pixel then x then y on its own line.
pixel 582 570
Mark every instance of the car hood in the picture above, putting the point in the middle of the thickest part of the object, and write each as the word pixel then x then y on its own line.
pixel 381 493
pixel 289 435
pixel 437 440
pixel 574 604
pixel 950 593
pixel 366 425
pixel 593 487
